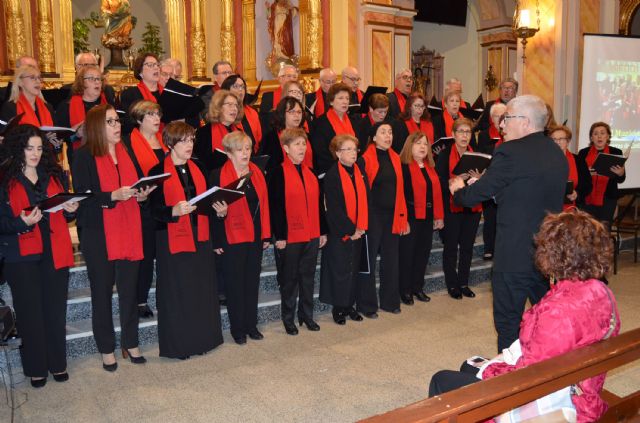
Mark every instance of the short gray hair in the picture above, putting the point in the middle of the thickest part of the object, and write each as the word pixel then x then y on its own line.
pixel 79 55
pixel 220 63
pixel 285 67
pixel 171 61
pixel 513 81
pixel 533 107
pixel 495 106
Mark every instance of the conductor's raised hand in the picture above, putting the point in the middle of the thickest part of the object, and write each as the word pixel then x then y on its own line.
pixel 182 208
pixel 32 218
pixel 455 184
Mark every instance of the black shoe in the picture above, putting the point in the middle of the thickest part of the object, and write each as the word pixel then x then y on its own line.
pixel 135 360
pixel 38 383
pixel 61 377
pixel 421 296
pixel 406 299
pixel 394 311
pixel 354 315
pixel 487 256
pixel 455 293
pixel 184 357
pixel 290 328
pixel 240 340
pixel 255 334
pixel 110 367
pixel 144 311
pixel 467 292
pixel 371 315
pixel 311 325
pixel 338 317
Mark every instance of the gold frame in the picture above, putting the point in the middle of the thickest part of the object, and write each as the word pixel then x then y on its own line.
pixel 627 10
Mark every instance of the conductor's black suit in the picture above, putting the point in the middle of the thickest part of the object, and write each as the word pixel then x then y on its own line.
pixel 527 177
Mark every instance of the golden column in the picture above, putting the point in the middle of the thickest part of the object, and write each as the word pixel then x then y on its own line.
pixel 16 41
pixel 310 34
pixel 175 17
pixel 46 49
pixel 227 37
pixel 199 43
pixel 249 39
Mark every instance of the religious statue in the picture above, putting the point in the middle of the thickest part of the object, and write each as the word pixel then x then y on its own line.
pixel 115 17
pixel 420 81
pixel 280 15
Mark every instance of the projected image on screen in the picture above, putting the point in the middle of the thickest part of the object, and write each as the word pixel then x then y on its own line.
pixel 611 94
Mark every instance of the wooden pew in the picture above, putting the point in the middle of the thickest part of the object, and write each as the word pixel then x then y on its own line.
pixel 492 397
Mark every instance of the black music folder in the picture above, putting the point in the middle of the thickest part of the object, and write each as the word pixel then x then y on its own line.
pixel 12 123
pixel 205 200
pixel 179 101
pixel 149 181
pixel 604 161
pixel 55 202
pixel 472 161
pixel 567 191
pixel 442 143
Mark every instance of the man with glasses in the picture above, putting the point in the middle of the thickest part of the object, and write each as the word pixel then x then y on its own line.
pixel 351 78
pixel 402 89
pixel 221 70
pixel 527 177
pixel 508 90
pixel 170 68
pixel 271 99
pixel 317 101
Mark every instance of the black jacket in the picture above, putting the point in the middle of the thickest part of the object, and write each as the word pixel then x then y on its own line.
pixel 612 185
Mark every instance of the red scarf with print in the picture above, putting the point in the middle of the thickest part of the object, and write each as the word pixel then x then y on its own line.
pixel 355 200
pixel 302 203
pixel 425 127
pixel 30 117
pixel 340 126
pixel 419 185
pixel 143 151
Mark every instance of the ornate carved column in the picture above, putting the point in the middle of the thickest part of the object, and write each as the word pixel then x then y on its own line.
pixel 310 34
pixel 46 49
pixel 16 30
pixel 175 18
pixel 249 39
pixel 65 38
pixel 227 39
pixel 198 40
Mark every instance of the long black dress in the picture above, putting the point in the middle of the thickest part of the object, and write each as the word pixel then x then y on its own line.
pixel 186 292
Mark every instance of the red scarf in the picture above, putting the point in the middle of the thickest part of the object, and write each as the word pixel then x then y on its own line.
pixel 146 92
pixel 573 176
pixel 277 95
pixel 340 126
pixel 30 117
pixel 448 122
pixel 122 226
pixel 31 242
pixel 302 203
pixel 596 197
pixel 218 131
pixel 494 133
pixel 319 109
pixel 357 212
pixel 76 109
pixel 426 128
pixel 308 154
pixel 254 124
pixel 143 151
pixel 359 95
pixel 402 99
pixel 371 167
pixel 454 158
pixel 238 224
pixel 419 185
pixel 181 233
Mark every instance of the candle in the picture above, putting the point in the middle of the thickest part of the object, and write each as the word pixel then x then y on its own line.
pixel 525 19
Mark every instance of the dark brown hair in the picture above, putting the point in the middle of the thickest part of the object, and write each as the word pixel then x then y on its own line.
pixel 95 129
pixel 279 118
pixel 406 155
pixel 335 89
pixel 378 101
pixel 175 132
pixel 573 245
pixel 597 125
pixel 139 63
pixel 78 84
pixel 288 135
pixel 406 113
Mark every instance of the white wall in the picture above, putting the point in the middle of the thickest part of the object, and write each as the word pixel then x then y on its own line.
pixel 460 48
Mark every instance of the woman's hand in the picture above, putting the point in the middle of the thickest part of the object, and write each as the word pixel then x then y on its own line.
pixel 79 128
pixel 323 240
pixel 572 196
pixel 122 194
pixel 618 170
pixel 265 244
pixel 357 234
pixel 280 245
pixel 31 218
pixel 182 208
pixel 438 224
pixel 71 207
pixel 142 194
pixel 406 231
pixel 221 208
pixel 218 251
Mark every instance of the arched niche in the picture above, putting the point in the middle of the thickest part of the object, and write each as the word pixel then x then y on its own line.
pixel 630 17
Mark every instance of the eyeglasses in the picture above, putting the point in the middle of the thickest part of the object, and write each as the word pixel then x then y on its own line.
pixel 560 139
pixel 353 78
pixel 406 78
pixel 463 131
pixel 295 92
pixel 239 87
pixel 151 65
pixel 225 73
pixel 82 65
pixel 156 113
pixel 419 106
pixel 230 104
pixel 187 140
pixel 113 122
pixel 508 117
pixel 92 78
pixel 32 77
pixel 294 112
pixel 328 81
pixel 348 149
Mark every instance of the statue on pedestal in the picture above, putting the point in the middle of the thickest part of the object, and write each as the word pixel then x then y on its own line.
pixel 118 24
pixel 280 15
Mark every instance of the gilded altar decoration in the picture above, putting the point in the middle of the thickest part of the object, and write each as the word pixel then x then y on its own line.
pixel 227 37
pixel 198 41
pixel 249 39
pixel 280 16
pixel 311 30
pixel 16 42
pixel 46 50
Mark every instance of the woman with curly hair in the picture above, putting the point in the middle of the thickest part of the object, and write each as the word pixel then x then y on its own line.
pixel 37 251
pixel 574 250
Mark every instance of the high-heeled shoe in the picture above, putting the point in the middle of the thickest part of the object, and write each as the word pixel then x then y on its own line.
pixel 135 360
pixel 110 367
pixel 338 316
pixel 311 325
pixel 38 383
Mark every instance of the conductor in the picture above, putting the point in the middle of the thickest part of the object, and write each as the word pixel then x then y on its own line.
pixel 527 177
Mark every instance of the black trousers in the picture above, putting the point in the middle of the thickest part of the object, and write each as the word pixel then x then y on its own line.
pixel 448 380
pixel 241 265
pixel 382 241
pixel 415 249
pixel 147 264
pixel 459 235
pixel 605 212
pixel 510 293
pixel 102 275
pixel 489 212
pixel 296 265
pixel 40 300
